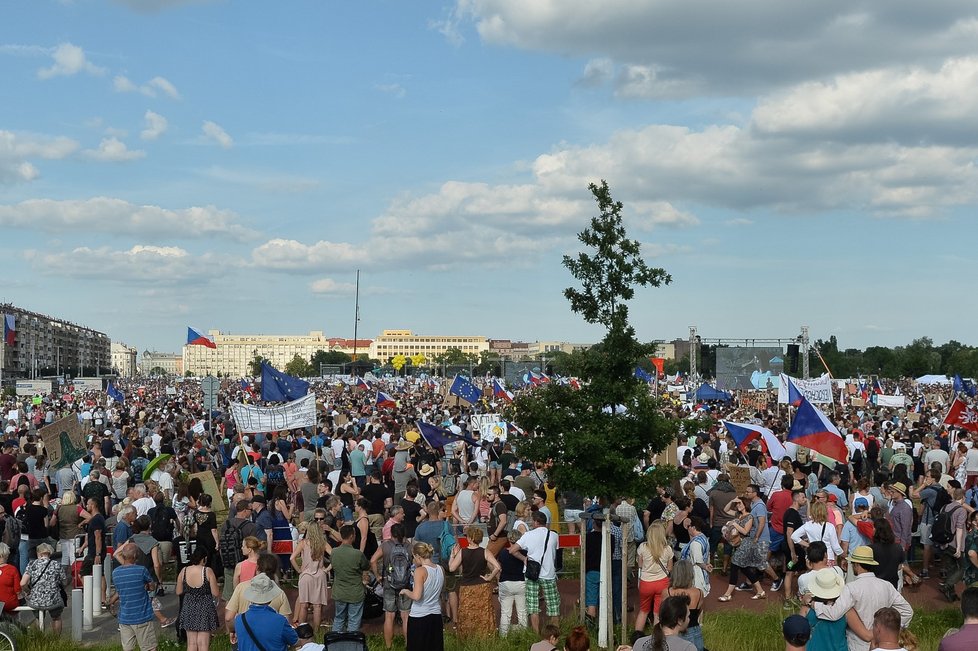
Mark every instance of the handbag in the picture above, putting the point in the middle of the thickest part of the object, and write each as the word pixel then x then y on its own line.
pixel 533 568
pixel 61 588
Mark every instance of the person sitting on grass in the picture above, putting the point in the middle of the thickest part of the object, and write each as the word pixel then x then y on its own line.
pixel 550 638
pixel 673 620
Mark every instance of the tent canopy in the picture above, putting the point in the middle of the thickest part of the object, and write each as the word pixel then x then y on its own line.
pixel 933 379
pixel 706 392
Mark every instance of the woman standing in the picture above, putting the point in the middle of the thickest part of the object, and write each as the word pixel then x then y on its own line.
pixel 348 493
pixel 522 513
pixel 9 581
pixel 281 518
pixel 551 503
pixel 69 526
pixel 425 629
pixel 475 611
pixel 654 562
pixel 246 569
pixel 818 528
pixel 120 481
pixel 682 585
pixel 314 552
pixel 44 580
pixel 203 525
pixel 197 585
pixel 745 553
pixel 231 478
pixel 512 586
pixel 366 540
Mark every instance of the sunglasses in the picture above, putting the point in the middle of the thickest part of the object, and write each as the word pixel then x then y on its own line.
pixel 320 519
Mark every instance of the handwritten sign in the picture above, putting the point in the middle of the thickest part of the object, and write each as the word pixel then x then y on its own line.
pixel 64 441
pixel 754 400
pixel 740 478
pixel 296 414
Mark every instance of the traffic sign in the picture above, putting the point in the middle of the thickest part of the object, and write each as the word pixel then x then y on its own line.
pixel 210 385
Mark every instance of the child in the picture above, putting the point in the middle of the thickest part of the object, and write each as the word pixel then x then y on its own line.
pixel 551 636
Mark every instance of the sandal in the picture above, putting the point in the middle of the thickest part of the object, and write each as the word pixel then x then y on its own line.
pixel 760 595
pixel 725 598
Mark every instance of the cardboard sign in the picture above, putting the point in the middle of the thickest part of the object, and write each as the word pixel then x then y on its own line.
pixel 219 502
pixel 64 441
pixel 171 391
pixel 754 400
pixel 913 417
pixel 740 478
pixel 857 402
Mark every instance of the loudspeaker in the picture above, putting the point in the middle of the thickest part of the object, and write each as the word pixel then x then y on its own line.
pixel 793 359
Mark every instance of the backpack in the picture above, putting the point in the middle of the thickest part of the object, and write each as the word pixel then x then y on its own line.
pixel 11 531
pixel 857 456
pixel 873 448
pixel 399 567
pixel 448 541
pixel 230 544
pixel 942 499
pixel 161 528
pixel 972 497
pixel 943 531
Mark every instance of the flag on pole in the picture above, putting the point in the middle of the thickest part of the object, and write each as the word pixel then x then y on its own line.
pixel 794 395
pixel 194 338
pixel 962 415
pixel 642 374
pixel 499 391
pixel 439 437
pixel 744 433
pixel 384 400
pixel 10 329
pixel 114 393
pixel 360 383
pixel 277 386
pixel 812 429
pixel 877 387
pixel 465 390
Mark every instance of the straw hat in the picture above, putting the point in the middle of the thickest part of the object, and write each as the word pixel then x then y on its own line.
pixel 403 445
pixel 863 555
pixel 426 470
pixel 899 487
pixel 826 584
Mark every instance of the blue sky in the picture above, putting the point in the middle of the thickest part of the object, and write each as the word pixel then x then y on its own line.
pixel 230 165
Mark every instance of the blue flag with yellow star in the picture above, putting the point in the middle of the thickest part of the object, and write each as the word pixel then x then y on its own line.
pixel 277 386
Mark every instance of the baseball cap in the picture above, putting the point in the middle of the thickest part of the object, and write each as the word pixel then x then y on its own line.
pixel 796 630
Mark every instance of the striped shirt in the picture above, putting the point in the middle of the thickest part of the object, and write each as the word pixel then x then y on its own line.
pixel 134 604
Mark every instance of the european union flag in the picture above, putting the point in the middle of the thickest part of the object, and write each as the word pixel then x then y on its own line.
pixel 642 374
pixel 465 390
pixel 438 437
pixel 115 394
pixel 277 386
pixel 965 386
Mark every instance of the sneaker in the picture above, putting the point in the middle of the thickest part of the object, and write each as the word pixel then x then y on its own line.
pixel 745 587
pixel 777 585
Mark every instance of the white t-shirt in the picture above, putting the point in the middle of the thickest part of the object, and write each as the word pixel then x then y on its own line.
pixel 532 543
pixel 517 492
pixel 937 454
pixel 164 480
pixel 143 505
pixel 971 460
pixel 806 579
pixel 337 445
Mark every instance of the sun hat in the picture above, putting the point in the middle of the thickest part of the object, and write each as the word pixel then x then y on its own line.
pixel 426 470
pixel 403 445
pixel 827 584
pixel 862 555
pixel 703 458
pixel 899 487
pixel 261 590
pixel 796 486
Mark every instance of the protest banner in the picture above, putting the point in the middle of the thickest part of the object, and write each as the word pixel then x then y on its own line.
pixel 890 401
pixel 64 441
pixel 857 402
pixel 740 478
pixel 817 391
pixel 219 502
pixel 299 413
pixel 340 420
pixel 478 421
pixel 171 391
pixel 913 417
pixel 754 400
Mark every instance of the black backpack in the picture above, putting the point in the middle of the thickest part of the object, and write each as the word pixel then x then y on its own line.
pixel 943 531
pixel 942 499
pixel 399 568
pixel 230 544
pixel 161 528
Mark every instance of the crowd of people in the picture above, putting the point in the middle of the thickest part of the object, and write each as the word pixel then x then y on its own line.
pixel 366 519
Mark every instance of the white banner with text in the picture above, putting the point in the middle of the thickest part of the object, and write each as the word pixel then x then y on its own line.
pixel 296 414
pixel 817 391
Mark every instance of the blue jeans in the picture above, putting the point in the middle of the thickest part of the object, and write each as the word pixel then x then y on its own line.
pixel 23 551
pixel 694 636
pixel 348 616
pixel 616 590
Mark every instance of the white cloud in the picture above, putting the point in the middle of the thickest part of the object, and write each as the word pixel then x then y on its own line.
pixel 596 72
pixel 719 47
pixel 397 90
pixel 329 287
pixel 18 149
pixel 269 181
pixel 141 263
pixel 653 214
pixel 113 150
pixel 292 255
pixel 739 221
pixel 116 216
pixel 156 126
pixel 123 84
pixel 69 60
pixel 214 132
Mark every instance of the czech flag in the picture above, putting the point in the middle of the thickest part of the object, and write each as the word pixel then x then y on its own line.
pixel 863 390
pixel 812 429
pixel 360 383
pixel 877 387
pixel 498 391
pixel 744 433
pixel 919 408
pixel 384 400
pixel 9 329
pixel 794 395
pixel 194 338
pixel 246 386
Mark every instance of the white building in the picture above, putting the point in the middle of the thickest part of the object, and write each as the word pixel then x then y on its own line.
pixel 46 346
pixel 234 353
pixel 405 342
pixel 123 359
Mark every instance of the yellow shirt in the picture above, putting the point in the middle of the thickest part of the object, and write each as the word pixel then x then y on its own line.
pixel 238 604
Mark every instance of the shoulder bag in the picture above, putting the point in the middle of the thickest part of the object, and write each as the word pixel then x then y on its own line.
pixel 533 567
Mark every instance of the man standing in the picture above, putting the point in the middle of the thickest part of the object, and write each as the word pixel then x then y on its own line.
pixel 349 564
pixel 464 508
pixel 761 533
pixel 498 517
pixel 929 493
pixel 901 515
pixel 263 519
pixel 966 639
pixel 132 583
pixel 242 523
pixel 866 594
pixel 953 552
pixel 721 495
pixel 832 488
pixel 540 545
pixel 794 554
pixel 96 542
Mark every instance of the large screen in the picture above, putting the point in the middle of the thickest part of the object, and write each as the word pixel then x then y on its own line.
pixel 749 368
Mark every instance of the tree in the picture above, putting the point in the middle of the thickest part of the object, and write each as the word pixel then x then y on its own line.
pixel 157 370
pixel 596 435
pixel 254 366
pixel 299 367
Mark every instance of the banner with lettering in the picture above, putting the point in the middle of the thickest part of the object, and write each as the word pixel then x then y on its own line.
pixel 64 441
pixel 817 391
pixel 296 414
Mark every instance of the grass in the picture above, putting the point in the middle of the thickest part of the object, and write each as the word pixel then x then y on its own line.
pixel 730 630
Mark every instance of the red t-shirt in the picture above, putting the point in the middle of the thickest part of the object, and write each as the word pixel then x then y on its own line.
pixel 9 587
pixel 777 504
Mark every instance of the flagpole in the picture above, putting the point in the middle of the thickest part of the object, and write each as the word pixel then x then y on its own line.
pixel 356 322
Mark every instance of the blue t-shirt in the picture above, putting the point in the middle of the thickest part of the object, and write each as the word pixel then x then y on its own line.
pixel 758 510
pixel 826 635
pixel 851 535
pixel 271 630
pixel 120 534
pixel 134 604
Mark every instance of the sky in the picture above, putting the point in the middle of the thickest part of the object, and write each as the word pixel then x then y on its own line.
pixel 231 165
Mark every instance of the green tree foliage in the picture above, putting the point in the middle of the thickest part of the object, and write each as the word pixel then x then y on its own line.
pixel 299 367
pixel 596 435
pixel 918 358
pixel 329 357
pixel 254 366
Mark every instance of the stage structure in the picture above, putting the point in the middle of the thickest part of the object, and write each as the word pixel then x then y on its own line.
pixel 752 363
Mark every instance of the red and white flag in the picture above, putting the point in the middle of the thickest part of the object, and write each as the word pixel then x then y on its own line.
pixel 962 415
